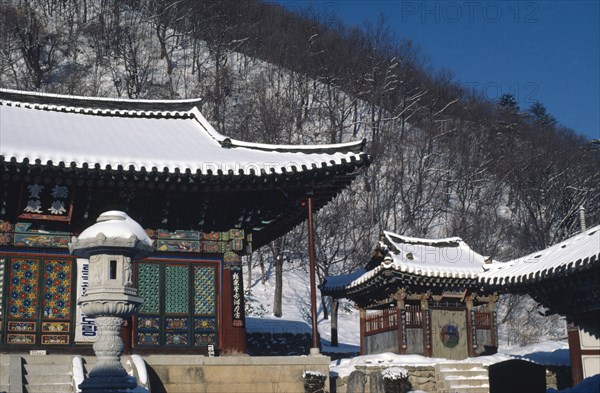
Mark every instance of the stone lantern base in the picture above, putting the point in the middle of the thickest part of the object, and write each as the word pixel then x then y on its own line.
pixel 108 384
pixel 108 374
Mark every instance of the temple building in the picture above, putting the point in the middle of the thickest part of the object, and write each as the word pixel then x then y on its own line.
pixel 204 199
pixel 421 296
pixel 438 297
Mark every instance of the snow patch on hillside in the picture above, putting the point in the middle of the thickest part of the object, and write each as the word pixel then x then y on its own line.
pixel 296 308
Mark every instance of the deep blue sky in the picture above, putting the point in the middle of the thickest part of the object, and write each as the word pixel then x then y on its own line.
pixel 547 51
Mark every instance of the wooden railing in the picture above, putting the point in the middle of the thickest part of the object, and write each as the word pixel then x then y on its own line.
pixel 381 321
pixel 483 320
pixel 387 319
pixel 414 316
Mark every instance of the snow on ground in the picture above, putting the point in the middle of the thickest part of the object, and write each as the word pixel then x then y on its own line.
pixel 296 309
pixel 549 353
pixel 343 367
pixel 588 385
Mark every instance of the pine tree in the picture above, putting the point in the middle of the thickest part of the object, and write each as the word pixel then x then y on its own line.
pixel 508 101
pixel 541 115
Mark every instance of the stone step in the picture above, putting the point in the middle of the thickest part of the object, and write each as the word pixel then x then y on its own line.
pixel 439 367
pixel 33 379
pixel 462 373
pixel 471 382
pixel 47 369
pixel 50 388
pixel 474 370
pixel 46 359
pixel 4 372
pixel 465 389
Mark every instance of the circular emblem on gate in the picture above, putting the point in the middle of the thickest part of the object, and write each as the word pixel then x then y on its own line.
pixel 449 336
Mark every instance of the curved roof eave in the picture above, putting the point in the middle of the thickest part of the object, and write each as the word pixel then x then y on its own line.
pixel 133 126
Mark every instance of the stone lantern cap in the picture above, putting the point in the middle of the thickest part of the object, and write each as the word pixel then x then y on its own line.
pixel 115 233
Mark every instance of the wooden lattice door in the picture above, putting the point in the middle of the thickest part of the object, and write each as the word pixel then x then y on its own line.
pixel 180 305
pixel 39 301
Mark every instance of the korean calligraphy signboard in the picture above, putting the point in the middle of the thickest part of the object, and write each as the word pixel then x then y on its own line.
pixel 237 296
pixel 47 202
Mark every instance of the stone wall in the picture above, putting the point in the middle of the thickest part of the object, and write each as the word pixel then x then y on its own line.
pixel 278 344
pixel 367 379
pixel 420 377
pixel 241 374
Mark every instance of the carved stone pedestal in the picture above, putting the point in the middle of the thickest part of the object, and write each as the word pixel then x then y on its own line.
pixel 108 374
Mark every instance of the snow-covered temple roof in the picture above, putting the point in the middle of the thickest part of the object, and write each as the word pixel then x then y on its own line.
pixel 422 262
pixel 564 277
pixel 578 253
pixel 104 134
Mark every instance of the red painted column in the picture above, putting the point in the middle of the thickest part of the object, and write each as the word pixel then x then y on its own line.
pixel 575 353
pixel 233 337
pixel 127 335
pixel 313 285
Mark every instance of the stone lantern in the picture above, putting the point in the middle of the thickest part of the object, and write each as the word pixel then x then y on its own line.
pixel 110 245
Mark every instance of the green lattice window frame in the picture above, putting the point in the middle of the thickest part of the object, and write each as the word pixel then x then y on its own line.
pixel 175 318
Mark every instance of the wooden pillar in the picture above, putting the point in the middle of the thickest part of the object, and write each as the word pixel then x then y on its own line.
pixel 401 309
pixel 471 333
pixel 363 314
pixel 494 327
pixel 313 286
pixel 426 325
pixel 575 353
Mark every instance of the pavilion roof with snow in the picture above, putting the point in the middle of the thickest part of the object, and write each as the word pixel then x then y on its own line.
pixel 401 261
pixel 564 277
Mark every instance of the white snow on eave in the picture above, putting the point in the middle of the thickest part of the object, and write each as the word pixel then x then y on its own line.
pixel 433 258
pixel 430 259
pixel 417 240
pixel 564 255
pixel 101 99
pixel 184 143
pixel 347 280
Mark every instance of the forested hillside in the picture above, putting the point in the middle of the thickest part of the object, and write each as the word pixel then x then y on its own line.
pixel 445 161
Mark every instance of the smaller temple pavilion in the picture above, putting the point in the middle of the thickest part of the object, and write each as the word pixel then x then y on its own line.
pixel 421 296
